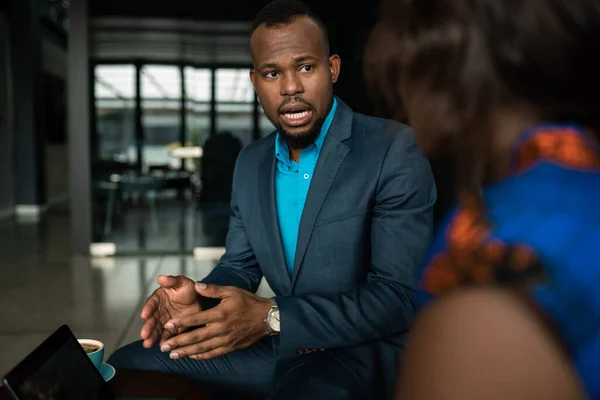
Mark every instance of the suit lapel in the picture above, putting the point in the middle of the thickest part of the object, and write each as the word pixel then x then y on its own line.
pixel 268 209
pixel 332 155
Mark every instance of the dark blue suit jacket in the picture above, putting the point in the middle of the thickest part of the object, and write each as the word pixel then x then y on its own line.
pixel 363 235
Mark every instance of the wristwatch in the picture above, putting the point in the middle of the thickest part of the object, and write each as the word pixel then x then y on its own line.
pixel 272 319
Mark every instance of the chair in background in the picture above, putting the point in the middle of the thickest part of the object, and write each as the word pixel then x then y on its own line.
pixel 218 163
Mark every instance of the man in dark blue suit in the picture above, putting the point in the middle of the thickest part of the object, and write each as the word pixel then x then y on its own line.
pixel 334 209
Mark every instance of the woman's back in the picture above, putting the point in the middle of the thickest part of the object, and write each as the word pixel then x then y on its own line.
pixel 538 229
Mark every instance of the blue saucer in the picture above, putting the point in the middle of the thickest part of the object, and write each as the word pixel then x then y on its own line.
pixel 107 371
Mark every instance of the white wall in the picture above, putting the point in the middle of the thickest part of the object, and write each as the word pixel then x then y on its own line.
pixel 6 129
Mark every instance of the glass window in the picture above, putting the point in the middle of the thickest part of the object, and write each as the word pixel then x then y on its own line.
pixel 235 103
pixel 236 119
pixel 198 84
pixel 234 85
pixel 128 209
pixel 114 87
pixel 161 115
pixel 161 82
pixel 198 92
pixel 115 81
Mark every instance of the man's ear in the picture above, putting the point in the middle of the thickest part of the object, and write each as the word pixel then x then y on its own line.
pixel 335 63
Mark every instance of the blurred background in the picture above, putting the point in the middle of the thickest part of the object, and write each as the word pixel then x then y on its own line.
pixel 159 102
pixel 120 121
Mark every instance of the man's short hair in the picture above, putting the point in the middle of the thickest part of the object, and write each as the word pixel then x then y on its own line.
pixel 280 13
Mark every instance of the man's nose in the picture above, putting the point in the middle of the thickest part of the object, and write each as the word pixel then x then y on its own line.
pixel 291 85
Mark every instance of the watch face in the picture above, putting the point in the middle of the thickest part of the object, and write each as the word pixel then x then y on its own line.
pixel 274 324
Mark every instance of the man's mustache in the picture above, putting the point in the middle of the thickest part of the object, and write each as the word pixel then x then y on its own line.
pixel 295 99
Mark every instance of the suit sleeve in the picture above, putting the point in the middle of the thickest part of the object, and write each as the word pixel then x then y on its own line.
pixel 238 267
pixel 401 230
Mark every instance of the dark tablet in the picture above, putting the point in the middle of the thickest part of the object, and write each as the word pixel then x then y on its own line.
pixel 59 368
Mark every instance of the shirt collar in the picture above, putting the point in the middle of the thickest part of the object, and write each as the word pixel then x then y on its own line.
pixel 281 149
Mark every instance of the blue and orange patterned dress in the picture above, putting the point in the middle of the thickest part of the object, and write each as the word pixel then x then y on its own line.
pixel 539 227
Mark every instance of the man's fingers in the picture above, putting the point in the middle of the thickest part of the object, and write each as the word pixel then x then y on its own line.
pixel 170 330
pixel 166 335
pixel 213 291
pixel 194 337
pixel 154 335
pixel 166 281
pixel 150 307
pixel 150 332
pixel 153 329
pixel 150 340
pixel 170 281
pixel 197 319
pixel 199 348
pixel 148 327
pixel 153 303
pixel 148 343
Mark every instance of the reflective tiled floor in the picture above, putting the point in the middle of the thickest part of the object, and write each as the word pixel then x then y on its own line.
pixel 42 286
pixel 173 227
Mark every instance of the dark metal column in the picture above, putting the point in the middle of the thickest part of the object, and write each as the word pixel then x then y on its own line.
pixel 30 136
pixel 182 113
pixel 79 103
pixel 139 127
pixel 213 102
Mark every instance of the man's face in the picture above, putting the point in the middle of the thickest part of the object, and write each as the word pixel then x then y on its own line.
pixel 293 76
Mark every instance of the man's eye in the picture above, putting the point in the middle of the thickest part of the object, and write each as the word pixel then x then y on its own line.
pixel 271 74
pixel 306 68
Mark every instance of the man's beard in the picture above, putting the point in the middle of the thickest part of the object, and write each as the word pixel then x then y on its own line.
pixel 301 140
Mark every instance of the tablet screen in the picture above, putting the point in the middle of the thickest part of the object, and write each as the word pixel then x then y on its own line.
pixel 58 369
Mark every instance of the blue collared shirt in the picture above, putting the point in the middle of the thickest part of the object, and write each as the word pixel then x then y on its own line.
pixel 292 181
